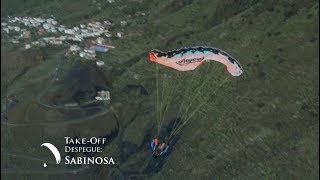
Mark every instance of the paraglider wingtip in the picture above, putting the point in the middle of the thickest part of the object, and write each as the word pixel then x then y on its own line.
pixel 152 56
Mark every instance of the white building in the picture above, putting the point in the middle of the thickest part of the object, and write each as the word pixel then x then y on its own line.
pixel 123 23
pixel 74 48
pixel 69 31
pixel 103 95
pixel 100 63
pixel 46 26
pixel 16 28
pixel 27 46
pixel 82 54
pixel 14 41
pixel 53 30
pixel 50 20
pixel 100 40
pixel 91 51
pixel 6 30
pixel 26 23
pixel 55 42
pixel 54 22
pixel 35 42
pixel 107 34
pixel 61 29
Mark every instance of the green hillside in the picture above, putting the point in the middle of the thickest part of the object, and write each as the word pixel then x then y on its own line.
pixel 261 125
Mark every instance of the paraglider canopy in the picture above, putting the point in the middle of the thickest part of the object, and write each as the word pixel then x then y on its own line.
pixel 187 59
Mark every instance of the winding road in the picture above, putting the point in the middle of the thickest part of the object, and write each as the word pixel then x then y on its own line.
pixel 5 121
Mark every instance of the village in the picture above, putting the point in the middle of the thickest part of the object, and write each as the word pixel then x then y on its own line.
pixel 22 30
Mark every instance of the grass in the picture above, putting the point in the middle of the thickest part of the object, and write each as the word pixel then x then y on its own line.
pixel 262 125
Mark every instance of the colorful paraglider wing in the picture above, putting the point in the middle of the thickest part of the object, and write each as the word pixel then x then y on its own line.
pixel 187 59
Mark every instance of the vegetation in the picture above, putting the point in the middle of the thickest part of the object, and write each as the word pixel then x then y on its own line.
pixel 262 125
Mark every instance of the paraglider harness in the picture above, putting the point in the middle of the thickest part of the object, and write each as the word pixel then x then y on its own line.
pixel 158 148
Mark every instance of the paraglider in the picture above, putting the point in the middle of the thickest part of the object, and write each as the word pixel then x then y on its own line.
pixel 158 148
pixel 187 59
